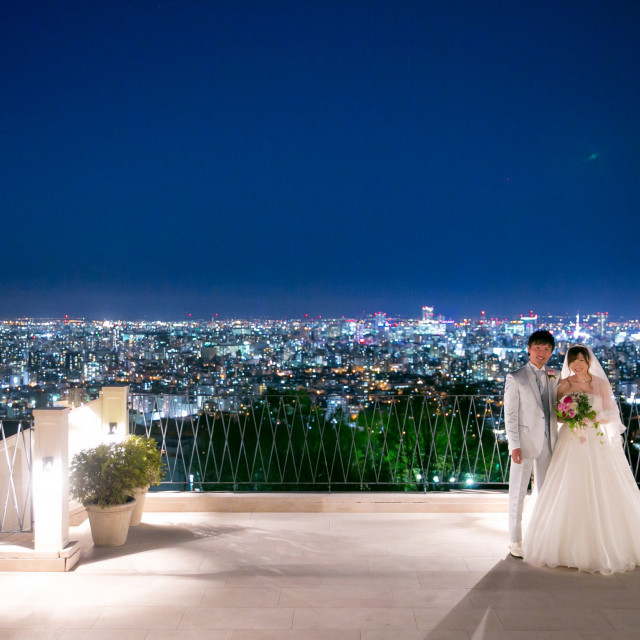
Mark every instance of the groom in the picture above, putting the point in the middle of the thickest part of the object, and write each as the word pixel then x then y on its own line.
pixel 530 420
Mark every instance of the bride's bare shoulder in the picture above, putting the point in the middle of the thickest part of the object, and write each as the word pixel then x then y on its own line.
pixel 564 384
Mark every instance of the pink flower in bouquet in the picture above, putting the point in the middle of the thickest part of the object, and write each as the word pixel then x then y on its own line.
pixel 576 411
pixel 565 403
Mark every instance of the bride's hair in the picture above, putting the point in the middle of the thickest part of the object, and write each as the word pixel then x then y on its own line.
pixel 579 350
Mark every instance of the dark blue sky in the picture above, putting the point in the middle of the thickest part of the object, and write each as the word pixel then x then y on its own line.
pixel 323 157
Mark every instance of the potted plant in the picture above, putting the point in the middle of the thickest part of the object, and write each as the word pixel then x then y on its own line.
pixel 103 479
pixel 144 457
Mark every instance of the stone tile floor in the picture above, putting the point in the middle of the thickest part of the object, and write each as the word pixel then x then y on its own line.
pixel 315 576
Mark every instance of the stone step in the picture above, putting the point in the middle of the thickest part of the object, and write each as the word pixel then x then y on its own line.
pixel 440 502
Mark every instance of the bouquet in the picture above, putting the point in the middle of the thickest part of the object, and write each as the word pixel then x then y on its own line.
pixel 576 411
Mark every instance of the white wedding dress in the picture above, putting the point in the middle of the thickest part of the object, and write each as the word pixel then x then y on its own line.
pixel 587 514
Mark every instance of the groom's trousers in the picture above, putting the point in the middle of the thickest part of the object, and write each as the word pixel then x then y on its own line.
pixel 520 474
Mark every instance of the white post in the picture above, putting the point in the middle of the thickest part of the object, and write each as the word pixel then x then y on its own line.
pixel 50 467
pixel 115 413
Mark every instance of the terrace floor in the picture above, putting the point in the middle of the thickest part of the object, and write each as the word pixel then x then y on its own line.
pixel 315 576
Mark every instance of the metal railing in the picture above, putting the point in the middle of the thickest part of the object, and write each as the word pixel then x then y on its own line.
pixel 296 442
pixel 15 476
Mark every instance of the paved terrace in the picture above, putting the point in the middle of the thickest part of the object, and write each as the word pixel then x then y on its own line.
pixel 338 568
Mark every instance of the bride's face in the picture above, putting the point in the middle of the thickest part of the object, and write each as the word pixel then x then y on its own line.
pixel 580 366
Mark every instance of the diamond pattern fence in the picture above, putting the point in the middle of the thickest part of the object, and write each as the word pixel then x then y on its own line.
pixel 293 442
pixel 16 512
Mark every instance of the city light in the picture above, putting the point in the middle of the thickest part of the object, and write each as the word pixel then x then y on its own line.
pixel 343 362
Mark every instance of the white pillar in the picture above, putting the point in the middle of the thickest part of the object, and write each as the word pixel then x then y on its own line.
pixel 115 413
pixel 50 467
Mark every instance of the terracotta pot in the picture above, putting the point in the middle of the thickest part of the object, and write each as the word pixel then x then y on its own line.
pixel 110 525
pixel 139 494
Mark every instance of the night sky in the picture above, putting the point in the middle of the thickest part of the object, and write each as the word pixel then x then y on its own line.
pixel 315 156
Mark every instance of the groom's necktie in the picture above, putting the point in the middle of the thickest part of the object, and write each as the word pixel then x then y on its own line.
pixel 543 386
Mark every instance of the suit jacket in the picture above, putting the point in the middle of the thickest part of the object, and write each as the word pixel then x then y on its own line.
pixel 524 415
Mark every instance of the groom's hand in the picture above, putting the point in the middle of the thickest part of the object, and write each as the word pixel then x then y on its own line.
pixel 516 456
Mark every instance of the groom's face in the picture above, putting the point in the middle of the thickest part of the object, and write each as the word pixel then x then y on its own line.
pixel 539 354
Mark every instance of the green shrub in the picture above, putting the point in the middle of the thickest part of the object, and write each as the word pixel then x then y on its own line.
pixel 102 475
pixel 145 460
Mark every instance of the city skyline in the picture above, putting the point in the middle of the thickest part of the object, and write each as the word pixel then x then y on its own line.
pixel 481 314
pixel 329 158
pixel 336 361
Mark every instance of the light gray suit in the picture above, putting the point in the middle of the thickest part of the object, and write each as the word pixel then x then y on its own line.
pixel 525 422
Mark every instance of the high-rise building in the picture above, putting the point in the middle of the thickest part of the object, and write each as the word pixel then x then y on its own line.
pixel 427 314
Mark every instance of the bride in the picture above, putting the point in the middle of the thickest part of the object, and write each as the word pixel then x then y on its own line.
pixel 587 514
